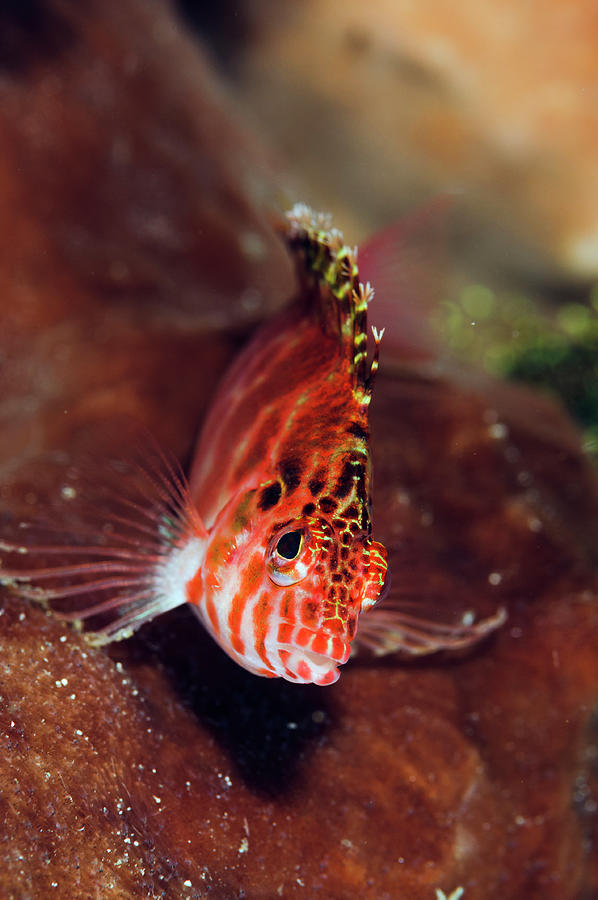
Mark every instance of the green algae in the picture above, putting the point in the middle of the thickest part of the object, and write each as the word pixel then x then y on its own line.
pixel 518 336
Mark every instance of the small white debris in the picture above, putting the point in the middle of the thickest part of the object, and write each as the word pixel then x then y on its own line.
pixel 157 799
pixel 454 895
pixel 498 431
pixel 494 578
pixel 68 492
pixel 534 524
pixel 22 617
pixel 252 246
pixel 187 883
pixel 244 846
pixel 468 618
pixel 62 638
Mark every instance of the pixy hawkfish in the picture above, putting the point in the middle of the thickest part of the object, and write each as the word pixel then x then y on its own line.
pixel 270 541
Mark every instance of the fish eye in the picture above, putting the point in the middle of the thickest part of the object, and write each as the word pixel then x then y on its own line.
pixel 289 545
pixel 287 559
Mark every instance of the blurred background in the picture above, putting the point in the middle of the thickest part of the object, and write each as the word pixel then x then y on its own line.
pixel 376 110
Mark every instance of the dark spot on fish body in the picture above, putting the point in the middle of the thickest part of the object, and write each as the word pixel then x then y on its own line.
pixel 290 471
pixel 345 538
pixel 337 577
pixel 309 509
pixel 339 523
pixel 310 612
pixel 344 552
pixel 327 505
pixel 316 483
pixel 351 626
pixel 351 512
pixel 358 431
pixel 269 496
pixel 345 482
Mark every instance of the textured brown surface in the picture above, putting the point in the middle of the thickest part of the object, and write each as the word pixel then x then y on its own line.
pixel 130 235
pixel 158 767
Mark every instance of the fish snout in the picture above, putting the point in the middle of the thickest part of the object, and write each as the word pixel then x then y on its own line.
pixel 312 657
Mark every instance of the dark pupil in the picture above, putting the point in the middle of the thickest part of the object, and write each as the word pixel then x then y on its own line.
pixel 289 545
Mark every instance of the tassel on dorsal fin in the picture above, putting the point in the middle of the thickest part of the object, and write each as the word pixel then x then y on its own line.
pixel 331 267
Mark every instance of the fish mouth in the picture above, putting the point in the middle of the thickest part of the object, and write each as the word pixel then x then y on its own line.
pixel 315 657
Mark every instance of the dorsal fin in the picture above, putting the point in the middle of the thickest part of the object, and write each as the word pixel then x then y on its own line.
pixel 330 266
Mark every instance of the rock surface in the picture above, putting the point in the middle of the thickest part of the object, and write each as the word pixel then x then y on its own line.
pixel 157 768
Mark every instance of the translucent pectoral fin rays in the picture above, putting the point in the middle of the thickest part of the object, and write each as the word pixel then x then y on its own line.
pixel 127 538
pixel 399 626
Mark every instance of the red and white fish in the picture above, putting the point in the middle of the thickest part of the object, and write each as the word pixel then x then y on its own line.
pixel 270 542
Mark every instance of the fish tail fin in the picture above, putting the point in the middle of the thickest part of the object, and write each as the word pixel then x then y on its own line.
pixel 342 299
pixel 116 550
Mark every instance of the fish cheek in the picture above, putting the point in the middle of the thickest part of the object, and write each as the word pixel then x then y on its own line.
pixel 310 611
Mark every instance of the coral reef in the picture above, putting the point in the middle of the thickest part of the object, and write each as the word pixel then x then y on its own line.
pixel 140 251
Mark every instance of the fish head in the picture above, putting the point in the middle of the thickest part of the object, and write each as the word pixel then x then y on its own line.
pixel 282 593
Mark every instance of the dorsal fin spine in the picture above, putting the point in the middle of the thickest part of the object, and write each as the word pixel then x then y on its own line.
pixel 332 264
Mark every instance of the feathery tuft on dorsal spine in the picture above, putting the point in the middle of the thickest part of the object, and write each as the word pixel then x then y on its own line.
pixel 332 266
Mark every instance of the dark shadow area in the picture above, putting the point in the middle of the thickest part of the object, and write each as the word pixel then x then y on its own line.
pixel 266 725
pixel 228 27
pixel 32 31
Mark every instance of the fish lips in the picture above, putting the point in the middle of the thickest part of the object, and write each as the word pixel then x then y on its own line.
pixel 314 657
